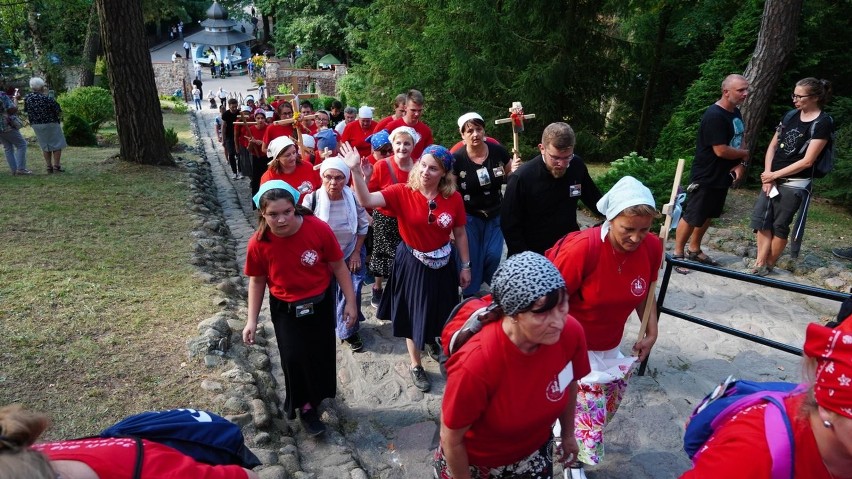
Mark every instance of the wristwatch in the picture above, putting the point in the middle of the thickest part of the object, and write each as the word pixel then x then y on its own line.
pixel 465 265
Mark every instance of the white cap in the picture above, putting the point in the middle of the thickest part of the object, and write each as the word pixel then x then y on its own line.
pixel 245 108
pixel 365 112
pixel 467 117
pixel 308 141
pixel 277 145
pixel 269 114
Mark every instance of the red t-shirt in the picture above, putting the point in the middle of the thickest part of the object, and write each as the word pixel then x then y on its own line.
pixel 382 178
pixel 115 458
pixel 412 210
pixel 257 133
pixel 421 128
pixel 355 135
pixel 603 301
pixel 240 132
pixel 510 399
pixel 274 131
pixel 383 123
pixel 305 179
pixel 738 449
pixel 296 267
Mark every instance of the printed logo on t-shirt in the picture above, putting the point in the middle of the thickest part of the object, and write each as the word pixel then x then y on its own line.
pixel 739 128
pixel 638 286
pixel 445 220
pixel 788 143
pixel 309 257
pixel 306 187
pixel 556 388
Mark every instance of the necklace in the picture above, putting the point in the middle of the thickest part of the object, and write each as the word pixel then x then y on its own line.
pixel 615 257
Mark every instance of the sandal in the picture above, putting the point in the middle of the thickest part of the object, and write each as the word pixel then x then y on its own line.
pixel 59 168
pixel 761 270
pixel 49 169
pixel 700 257
pixel 681 269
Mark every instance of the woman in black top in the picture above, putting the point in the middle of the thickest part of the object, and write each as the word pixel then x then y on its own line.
pixel 788 170
pixel 481 168
pixel 43 112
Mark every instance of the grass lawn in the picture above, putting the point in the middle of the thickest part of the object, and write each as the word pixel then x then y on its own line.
pixel 97 294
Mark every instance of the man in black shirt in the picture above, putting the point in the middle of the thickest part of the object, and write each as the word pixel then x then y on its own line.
pixel 228 118
pixel 540 204
pixel 720 160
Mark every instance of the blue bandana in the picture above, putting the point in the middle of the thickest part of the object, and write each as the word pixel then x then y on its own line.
pixel 275 185
pixel 441 154
pixel 379 139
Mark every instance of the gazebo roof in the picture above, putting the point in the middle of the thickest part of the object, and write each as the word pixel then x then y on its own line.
pixel 230 37
pixel 217 17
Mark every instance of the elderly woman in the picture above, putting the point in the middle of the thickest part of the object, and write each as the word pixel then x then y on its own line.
pixel 527 359
pixel 296 255
pixel 424 281
pixel 788 170
pixel 14 144
pixel 335 204
pixel 93 458
pixel 43 112
pixel 821 420
pixel 287 165
pixel 608 271
pixel 481 169
pixel 387 172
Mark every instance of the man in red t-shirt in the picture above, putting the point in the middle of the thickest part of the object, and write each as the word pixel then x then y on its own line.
pixel 398 111
pixel 356 132
pixel 413 111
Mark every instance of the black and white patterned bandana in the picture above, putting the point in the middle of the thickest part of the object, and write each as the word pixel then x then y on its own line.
pixel 522 279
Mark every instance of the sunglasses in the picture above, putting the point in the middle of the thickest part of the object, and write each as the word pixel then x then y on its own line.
pixel 432 205
pixel 386 150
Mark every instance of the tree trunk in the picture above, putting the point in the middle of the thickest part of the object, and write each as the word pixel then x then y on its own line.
pixel 91 50
pixel 265 22
pixel 775 44
pixel 645 118
pixel 138 117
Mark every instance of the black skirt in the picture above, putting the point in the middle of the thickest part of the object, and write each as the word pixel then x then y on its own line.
pixel 308 350
pixel 385 240
pixel 419 299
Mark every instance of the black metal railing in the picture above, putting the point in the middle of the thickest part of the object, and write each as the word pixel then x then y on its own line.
pixel 671 263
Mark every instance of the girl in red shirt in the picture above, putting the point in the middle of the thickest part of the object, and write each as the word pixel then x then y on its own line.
pixel 254 138
pixel 295 254
pixel 424 282
pixel 287 165
pixel 284 111
pixel 626 266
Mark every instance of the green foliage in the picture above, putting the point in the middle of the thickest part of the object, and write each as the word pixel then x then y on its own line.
pixel 285 89
pixel 171 137
pixel 77 131
pixel 91 103
pixel 317 26
pixel 181 106
pixel 656 175
pixel 308 60
pixel 677 138
pixel 353 86
pixel 835 185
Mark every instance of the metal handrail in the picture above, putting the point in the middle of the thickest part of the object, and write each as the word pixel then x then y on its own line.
pixel 671 263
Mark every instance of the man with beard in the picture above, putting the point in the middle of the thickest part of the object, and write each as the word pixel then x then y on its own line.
pixel 540 204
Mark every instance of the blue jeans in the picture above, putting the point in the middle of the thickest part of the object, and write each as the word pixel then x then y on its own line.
pixel 15 148
pixel 485 245
pixel 340 301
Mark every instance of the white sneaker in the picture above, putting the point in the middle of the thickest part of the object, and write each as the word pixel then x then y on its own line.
pixel 235 176
pixel 239 176
pixel 575 473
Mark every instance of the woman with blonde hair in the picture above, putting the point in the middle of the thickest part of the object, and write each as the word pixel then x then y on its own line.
pixel 424 281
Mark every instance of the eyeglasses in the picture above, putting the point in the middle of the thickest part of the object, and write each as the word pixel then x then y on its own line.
pixel 385 150
pixel 330 178
pixel 566 159
pixel 432 205
pixel 798 97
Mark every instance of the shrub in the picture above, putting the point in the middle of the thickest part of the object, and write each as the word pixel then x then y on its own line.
pixel 181 107
pixel 91 103
pixel 78 132
pixel 171 138
pixel 656 175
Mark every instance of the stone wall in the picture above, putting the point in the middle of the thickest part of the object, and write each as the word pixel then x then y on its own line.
pixel 300 80
pixel 172 76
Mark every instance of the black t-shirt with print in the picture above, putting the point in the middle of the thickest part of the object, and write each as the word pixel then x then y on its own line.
pixel 481 185
pixel 792 137
pixel 718 127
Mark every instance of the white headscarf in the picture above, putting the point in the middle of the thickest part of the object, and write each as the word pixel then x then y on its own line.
pixel 322 203
pixel 627 192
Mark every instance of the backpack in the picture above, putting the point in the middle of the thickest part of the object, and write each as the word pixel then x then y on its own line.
pixel 594 244
pixel 825 161
pixel 465 320
pixel 202 435
pixel 733 396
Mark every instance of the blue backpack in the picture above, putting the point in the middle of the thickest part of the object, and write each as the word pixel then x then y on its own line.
pixel 202 435
pixel 731 397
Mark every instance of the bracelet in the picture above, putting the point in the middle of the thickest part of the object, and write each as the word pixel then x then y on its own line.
pixel 465 265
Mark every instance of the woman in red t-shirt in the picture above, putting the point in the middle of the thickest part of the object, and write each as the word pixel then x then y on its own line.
pixel 603 296
pixel 253 136
pixel 424 282
pixel 284 112
pixel 92 458
pixel 287 165
pixel 528 358
pixel 388 171
pixel 295 254
pixel 821 420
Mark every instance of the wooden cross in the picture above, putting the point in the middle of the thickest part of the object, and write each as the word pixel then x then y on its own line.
pixel 517 118
pixel 293 96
